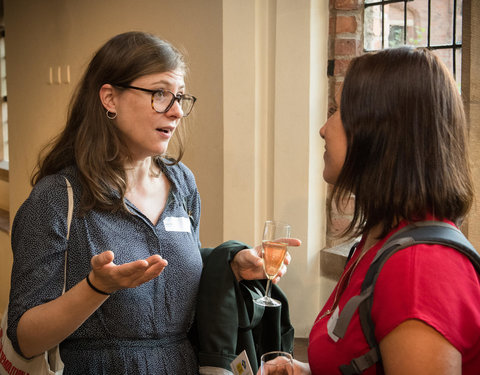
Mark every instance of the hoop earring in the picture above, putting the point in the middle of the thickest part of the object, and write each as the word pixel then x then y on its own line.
pixel 111 115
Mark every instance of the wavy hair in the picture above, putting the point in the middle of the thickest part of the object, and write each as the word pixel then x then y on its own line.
pixel 407 147
pixel 89 140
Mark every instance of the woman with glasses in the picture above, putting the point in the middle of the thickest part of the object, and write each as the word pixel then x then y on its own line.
pixel 134 264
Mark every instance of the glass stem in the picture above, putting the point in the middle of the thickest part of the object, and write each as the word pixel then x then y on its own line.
pixel 267 289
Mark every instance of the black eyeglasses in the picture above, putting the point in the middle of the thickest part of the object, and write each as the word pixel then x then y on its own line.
pixel 163 100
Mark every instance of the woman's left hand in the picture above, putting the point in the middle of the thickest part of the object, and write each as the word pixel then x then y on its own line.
pixel 248 263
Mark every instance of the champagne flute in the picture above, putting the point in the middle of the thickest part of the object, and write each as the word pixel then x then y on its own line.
pixel 274 249
pixel 276 363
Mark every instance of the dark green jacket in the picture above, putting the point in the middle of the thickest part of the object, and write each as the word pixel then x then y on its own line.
pixel 228 322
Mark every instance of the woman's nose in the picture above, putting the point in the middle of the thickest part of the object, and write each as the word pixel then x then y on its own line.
pixel 322 131
pixel 176 109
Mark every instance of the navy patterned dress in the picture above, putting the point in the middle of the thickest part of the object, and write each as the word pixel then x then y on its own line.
pixel 136 331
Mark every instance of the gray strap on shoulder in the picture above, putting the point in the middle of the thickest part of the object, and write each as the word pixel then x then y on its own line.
pixel 348 310
pixel 400 243
pixel 360 364
pixel 421 232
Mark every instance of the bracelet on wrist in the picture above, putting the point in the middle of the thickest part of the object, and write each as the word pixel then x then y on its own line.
pixel 96 289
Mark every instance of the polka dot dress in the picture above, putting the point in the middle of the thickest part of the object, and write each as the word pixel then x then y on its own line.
pixel 136 331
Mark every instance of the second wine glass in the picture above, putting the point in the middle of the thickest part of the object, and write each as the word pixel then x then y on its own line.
pixel 276 363
pixel 274 249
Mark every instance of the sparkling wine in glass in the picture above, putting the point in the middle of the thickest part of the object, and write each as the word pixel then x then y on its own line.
pixel 274 249
pixel 276 363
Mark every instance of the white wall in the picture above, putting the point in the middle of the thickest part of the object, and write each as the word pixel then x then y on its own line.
pixel 275 102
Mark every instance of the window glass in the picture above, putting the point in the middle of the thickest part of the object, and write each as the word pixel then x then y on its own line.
pixel 373 28
pixel 417 23
pixel 458 22
pixel 441 17
pixel 394 25
pixel 447 57
pixel 458 67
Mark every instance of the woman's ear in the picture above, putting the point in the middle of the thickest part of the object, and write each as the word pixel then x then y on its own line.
pixel 107 97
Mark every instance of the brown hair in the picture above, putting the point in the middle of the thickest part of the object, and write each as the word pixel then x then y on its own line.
pixel 407 148
pixel 89 140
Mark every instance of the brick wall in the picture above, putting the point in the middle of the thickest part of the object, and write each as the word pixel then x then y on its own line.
pixel 345 42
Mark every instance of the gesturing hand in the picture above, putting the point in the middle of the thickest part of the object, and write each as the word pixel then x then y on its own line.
pixel 248 264
pixel 109 277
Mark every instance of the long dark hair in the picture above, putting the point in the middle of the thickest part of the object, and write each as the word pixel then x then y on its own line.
pixel 407 153
pixel 89 140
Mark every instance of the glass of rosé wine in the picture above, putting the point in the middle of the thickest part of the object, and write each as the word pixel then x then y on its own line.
pixel 274 249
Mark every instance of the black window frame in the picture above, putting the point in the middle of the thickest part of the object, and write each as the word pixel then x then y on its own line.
pixel 454 46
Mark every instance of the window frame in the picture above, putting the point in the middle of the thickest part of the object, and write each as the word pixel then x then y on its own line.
pixel 454 46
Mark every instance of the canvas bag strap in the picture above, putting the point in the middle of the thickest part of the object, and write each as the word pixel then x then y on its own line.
pixel 69 222
pixel 49 361
pixel 53 354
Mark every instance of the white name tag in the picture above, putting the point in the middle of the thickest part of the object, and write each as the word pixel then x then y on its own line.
pixel 241 365
pixel 177 224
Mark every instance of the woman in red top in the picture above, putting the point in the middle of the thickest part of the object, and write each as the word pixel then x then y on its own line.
pixel 399 145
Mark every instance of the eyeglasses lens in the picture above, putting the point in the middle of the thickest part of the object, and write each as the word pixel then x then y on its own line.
pixel 162 100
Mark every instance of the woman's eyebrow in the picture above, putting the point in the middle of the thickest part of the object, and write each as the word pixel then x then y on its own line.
pixel 167 83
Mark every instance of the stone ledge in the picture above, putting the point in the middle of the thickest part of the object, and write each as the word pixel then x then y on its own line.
pixel 4 174
pixel 333 259
pixel 4 221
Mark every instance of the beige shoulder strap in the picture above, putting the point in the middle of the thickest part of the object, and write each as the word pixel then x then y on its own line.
pixel 69 222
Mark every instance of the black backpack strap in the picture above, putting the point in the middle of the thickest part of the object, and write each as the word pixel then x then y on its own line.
pixel 426 232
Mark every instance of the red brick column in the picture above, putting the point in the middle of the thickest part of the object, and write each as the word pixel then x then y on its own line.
pixel 345 42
